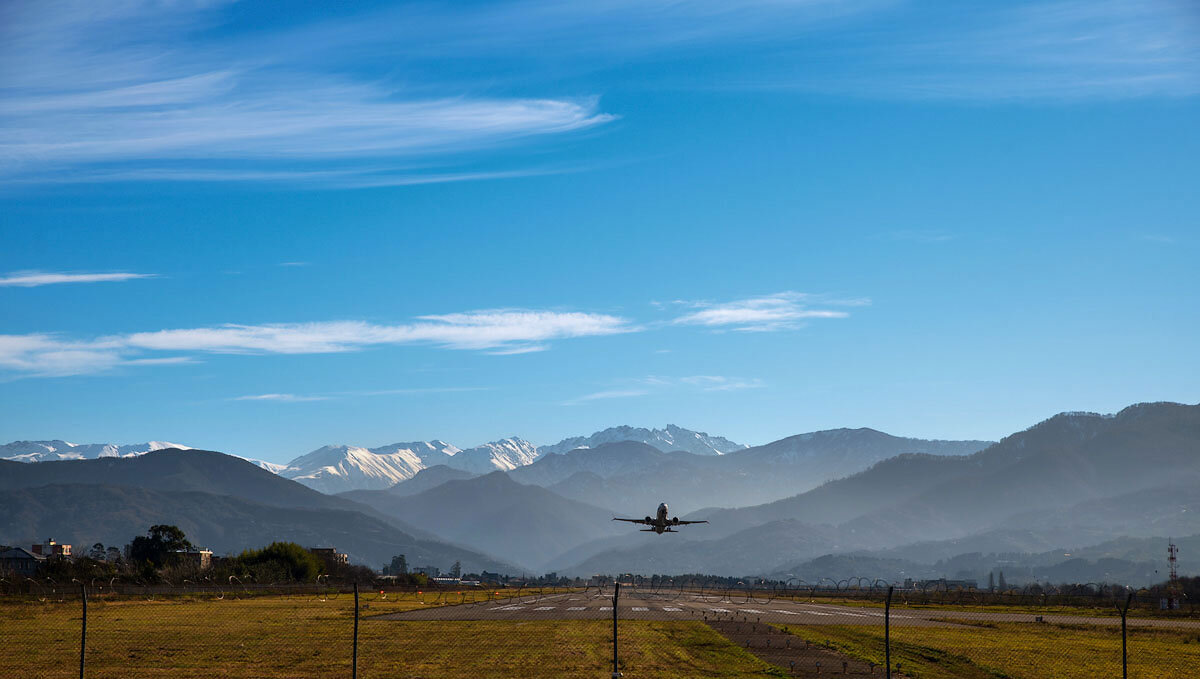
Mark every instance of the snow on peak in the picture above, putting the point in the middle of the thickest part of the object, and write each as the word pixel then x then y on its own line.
pixel 506 454
pixel 56 450
pixel 668 439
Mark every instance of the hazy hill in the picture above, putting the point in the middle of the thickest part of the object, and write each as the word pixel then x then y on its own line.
pixel 1064 461
pixel 627 475
pixel 175 470
pixel 86 514
pixel 755 551
pixel 430 477
pixel 884 484
pixel 523 524
pixel 1077 474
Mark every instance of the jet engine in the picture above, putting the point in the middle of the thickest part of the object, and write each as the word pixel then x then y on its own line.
pixel 649 520
pixel 675 520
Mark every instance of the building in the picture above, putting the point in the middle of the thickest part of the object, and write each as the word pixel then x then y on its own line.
pixel 52 548
pixel 330 556
pixel 19 561
pixel 201 559
pixel 431 571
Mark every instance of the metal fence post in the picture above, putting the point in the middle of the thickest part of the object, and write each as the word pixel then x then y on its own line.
pixel 1124 638
pixel 887 632
pixel 82 628
pixel 616 594
pixel 354 661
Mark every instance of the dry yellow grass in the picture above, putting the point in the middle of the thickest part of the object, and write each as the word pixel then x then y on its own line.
pixel 303 637
pixel 1020 650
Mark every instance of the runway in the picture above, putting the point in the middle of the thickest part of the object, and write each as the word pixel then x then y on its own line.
pixel 687 606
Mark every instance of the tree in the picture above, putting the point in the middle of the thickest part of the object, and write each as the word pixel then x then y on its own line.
pixel 1003 585
pixel 456 570
pixel 97 552
pixel 992 581
pixel 158 545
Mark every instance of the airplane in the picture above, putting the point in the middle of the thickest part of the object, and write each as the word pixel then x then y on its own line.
pixel 661 524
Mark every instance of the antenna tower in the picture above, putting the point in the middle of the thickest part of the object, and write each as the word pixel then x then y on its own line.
pixel 1173 589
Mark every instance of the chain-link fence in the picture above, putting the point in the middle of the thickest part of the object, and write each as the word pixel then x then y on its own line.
pixel 665 629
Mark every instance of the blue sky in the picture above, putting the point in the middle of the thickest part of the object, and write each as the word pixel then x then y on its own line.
pixel 261 232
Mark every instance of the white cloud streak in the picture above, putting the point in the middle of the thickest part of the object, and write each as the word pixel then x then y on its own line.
pixel 87 88
pixel 657 384
pixel 285 398
pixel 780 311
pixel 32 279
pixel 499 330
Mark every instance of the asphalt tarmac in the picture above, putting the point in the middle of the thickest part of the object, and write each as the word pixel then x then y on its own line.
pixel 689 606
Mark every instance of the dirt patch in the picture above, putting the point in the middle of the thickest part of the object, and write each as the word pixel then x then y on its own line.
pixel 798 657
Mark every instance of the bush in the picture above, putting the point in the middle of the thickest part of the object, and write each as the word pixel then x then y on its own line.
pixel 281 561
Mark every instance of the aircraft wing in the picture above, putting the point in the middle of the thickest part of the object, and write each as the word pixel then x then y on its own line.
pixel 641 521
pixel 684 523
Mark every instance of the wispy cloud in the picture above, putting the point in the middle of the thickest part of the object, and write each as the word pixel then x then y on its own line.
pixel 658 384
pixel 32 279
pixel 780 311
pixel 1017 51
pixel 359 393
pixel 498 330
pixel 721 383
pixel 288 398
pixel 88 88
pixel 606 394
pixel 293 264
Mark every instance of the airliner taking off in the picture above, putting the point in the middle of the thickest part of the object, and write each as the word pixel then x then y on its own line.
pixel 660 524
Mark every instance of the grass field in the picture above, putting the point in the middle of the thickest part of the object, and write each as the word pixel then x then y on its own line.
pixel 1019 650
pixel 310 636
pixel 302 637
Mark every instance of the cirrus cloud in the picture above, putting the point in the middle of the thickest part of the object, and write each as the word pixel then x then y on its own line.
pixel 780 311
pixel 33 279
pixel 497 330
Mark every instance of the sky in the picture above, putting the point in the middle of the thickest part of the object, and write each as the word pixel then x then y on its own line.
pixel 262 231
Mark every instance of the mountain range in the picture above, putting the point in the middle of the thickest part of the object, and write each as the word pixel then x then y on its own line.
pixel 222 502
pixel 857 500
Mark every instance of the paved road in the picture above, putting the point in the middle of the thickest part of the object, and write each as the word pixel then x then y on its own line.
pixel 589 606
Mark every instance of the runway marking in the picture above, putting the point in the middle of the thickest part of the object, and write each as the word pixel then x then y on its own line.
pixel 640 608
pixel 780 610
pixel 719 610
pixel 577 608
pixel 751 610
pixel 672 609
pixel 606 608
pixel 511 608
pixel 544 608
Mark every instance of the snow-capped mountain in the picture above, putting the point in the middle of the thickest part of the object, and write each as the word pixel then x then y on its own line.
pixel 505 454
pixel 335 469
pixel 51 451
pixel 669 439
